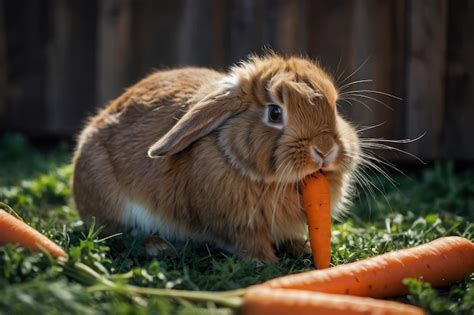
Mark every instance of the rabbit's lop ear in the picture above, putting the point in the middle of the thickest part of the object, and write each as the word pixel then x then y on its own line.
pixel 200 120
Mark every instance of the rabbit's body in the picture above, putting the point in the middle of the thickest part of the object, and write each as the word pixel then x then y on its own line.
pixel 212 180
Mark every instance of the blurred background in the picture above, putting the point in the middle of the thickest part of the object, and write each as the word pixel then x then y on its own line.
pixel 61 60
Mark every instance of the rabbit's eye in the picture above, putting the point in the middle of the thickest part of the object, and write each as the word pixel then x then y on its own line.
pixel 275 114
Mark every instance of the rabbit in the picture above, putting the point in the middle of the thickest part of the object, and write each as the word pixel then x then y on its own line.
pixel 193 153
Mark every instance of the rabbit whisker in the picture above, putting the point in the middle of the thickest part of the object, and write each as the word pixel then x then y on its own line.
pixel 371 98
pixel 370 127
pixel 380 146
pixel 372 91
pixel 355 71
pixel 342 88
pixel 358 101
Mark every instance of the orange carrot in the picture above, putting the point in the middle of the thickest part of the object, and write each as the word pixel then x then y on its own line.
pixel 440 262
pixel 285 302
pixel 13 230
pixel 316 201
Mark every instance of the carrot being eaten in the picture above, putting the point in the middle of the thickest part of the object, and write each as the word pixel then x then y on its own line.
pixel 286 301
pixel 440 262
pixel 316 202
pixel 15 231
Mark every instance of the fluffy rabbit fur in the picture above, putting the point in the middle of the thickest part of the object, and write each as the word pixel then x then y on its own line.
pixel 191 153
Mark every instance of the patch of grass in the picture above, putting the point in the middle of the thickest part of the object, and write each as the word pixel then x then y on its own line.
pixel 436 202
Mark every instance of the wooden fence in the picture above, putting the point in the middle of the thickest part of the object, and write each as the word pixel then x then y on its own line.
pixel 59 60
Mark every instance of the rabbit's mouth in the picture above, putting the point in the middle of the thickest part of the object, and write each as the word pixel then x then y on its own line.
pixel 296 168
pixel 296 176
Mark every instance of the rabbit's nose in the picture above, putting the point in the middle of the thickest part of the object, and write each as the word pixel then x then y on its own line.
pixel 324 158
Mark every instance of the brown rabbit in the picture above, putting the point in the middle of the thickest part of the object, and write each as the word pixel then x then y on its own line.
pixel 217 157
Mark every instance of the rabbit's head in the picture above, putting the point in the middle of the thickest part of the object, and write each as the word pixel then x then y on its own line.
pixel 275 119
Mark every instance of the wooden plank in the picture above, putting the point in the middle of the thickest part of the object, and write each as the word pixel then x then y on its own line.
pixel 219 32
pixel 195 34
pixel 459 108
pixel 154 36
pixel 71 72
pixel 26 33
pixel 3 65
pixel 114 48
pixel 399 62
pixel 375 51
pixel 291 29
pixel 327 38
pixel 372 59
pixel 245 29
pixel 426 73
pixel 201 33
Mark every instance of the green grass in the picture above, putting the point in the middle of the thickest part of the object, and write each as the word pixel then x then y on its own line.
pixel 435 202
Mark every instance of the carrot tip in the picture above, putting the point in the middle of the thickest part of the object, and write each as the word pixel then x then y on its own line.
pixel 12 230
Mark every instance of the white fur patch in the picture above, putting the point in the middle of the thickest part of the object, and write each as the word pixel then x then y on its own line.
pixel 138 217
pixel 230 81
pixel 332 155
